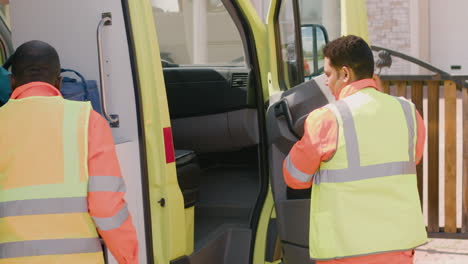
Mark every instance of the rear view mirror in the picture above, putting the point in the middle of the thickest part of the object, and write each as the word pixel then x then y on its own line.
pixel 314 38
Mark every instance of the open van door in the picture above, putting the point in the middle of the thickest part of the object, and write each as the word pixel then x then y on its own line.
pixel 288 108
pixel 285 120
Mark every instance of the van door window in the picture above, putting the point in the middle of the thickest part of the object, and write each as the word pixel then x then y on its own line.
pixel 197 32
pixel 296 59
pixel 322 12
pixel 320 22
pixel 291 64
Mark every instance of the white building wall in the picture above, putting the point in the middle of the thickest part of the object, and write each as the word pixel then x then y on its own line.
pixel 449 35
pixel 431 30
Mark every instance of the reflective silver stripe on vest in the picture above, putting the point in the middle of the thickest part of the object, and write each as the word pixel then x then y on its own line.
pixel 115 221
pixel 44 206
pixel 349 130
pixel 355 171
pixel 409 121
pixel 49 247
pixel 106 184
pixel 297 174
pixel 366 172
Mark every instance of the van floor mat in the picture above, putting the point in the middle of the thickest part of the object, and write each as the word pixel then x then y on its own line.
pixel 230 244
pixel 212 228
pixel 227 197
pixel 229 186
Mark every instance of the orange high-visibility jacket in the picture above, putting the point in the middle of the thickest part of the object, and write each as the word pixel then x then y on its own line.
pixel 319 144
pixel 105 203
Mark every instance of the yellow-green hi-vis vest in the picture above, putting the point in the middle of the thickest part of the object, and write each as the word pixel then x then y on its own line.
pixel 44 215
pixel 365 198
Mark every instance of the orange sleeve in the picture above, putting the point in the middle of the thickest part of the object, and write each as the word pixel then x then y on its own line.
pixel 421 137
pixel 106 190
pixel 318 144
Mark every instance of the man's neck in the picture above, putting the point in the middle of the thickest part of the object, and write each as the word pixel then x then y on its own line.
pixel 355 87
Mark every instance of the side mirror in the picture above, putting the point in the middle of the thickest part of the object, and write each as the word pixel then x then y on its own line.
pixel 314 38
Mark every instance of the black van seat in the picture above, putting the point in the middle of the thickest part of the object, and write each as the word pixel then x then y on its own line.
pixel 188 175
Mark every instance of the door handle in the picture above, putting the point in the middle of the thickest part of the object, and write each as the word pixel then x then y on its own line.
pixel 105 21
pixel 282 109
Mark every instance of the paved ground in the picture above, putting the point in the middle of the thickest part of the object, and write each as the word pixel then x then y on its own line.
pixel 443 251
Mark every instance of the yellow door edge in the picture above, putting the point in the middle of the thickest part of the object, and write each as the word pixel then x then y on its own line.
pixel 262 229
pixel 168 220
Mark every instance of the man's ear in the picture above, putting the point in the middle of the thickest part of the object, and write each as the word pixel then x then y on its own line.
pixel 346 74
pixel 58 83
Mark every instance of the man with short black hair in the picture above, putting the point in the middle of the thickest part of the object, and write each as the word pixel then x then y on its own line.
pixel 60 177
pixel 35 61
pixel 360 153
pixel 347 55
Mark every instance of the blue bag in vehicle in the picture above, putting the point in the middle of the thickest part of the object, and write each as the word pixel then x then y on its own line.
pixel 81 90
pixel 5 86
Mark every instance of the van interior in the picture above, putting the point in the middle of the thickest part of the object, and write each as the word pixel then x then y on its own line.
pixel 214 118
pixel 213 124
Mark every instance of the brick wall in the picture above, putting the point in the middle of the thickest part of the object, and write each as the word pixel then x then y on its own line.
pixel 389 27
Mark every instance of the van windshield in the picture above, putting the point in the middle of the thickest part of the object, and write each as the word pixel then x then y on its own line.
pixel 197 34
